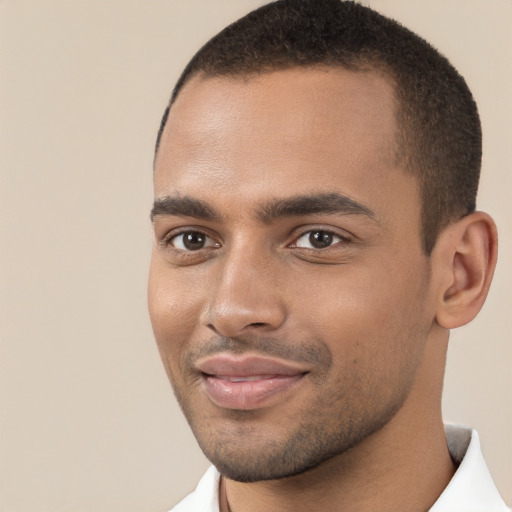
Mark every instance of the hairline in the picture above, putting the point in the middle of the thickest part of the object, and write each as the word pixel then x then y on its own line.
pixel 402 155
pixel 364 65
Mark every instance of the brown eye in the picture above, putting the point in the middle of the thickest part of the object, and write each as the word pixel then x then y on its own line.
pixel 317 239
pixel 191 241
pixel 320 239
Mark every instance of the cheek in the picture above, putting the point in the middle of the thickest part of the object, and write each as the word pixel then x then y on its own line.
pixel 371 317
pixel 174 309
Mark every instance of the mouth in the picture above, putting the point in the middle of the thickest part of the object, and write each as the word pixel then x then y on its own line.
pixel 248 382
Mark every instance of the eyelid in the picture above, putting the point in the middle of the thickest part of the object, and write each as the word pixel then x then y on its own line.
pixel 345 236
pixel 166 240
pixel 208 242
pixel 334 242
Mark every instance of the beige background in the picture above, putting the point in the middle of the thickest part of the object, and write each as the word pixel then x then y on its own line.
pixel 88 421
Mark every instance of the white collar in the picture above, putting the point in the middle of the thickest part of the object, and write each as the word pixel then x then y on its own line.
pixel 470 490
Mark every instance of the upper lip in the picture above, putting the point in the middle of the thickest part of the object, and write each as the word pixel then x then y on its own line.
pixel 230 365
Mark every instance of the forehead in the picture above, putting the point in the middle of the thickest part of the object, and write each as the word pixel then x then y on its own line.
pixel 292 131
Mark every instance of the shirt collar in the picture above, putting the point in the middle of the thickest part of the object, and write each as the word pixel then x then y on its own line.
pixel 471 489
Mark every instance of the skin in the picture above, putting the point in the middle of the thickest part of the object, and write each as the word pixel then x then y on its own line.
pixel 361 316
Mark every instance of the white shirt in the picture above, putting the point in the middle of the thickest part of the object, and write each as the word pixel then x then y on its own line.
pixel 470 490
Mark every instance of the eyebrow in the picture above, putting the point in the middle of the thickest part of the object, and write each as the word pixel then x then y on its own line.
pixel 330 203
pixel 184 206
pixel 300 205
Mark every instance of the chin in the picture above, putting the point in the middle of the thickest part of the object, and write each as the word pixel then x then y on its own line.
pixel 247 457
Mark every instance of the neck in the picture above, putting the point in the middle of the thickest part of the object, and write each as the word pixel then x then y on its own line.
pixel 405 466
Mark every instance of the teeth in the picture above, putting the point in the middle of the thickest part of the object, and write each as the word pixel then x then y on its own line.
pixel 244 379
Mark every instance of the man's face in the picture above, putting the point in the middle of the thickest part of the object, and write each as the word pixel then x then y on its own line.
pixel 289 294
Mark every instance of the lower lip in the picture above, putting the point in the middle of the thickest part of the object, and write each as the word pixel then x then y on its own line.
pixel 247 395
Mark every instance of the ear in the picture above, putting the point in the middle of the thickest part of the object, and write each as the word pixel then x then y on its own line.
pixel 465 256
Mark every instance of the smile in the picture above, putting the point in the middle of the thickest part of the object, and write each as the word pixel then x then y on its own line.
pixel 246 383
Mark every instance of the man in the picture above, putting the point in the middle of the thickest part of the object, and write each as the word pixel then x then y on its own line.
pixel 315 240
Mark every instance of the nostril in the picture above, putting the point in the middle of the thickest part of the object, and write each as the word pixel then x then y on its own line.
pixel 212 327
pixel 231 320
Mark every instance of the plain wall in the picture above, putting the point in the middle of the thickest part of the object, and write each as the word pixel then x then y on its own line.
pixel 87 419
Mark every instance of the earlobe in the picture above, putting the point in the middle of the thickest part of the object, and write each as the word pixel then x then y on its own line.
pixel 465 255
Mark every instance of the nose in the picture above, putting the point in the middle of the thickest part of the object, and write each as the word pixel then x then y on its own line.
pixel 246 295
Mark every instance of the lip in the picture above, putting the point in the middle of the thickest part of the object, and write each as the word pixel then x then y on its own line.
pixel 247 382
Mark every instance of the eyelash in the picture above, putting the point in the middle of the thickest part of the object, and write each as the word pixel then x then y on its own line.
pixel 342 239
pixel 166 241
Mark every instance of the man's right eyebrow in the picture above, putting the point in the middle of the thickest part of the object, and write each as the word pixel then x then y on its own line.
pixel 184 206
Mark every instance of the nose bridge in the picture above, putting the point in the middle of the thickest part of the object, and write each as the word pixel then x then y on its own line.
pixel 245 295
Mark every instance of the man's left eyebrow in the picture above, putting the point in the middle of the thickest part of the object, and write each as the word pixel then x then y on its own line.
pixel 328 203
